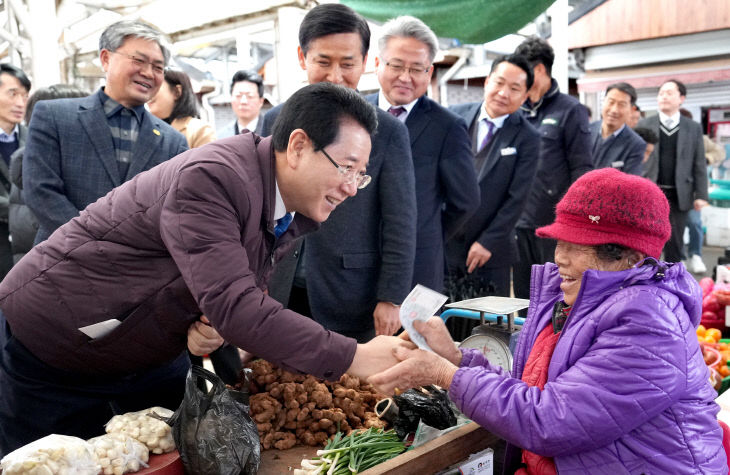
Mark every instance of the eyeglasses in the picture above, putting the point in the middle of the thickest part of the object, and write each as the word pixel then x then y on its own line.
pixel 141 63
pixel 413 72
pixel 349 174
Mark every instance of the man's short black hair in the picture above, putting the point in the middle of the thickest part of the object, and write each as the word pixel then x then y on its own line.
pixel 625 88
pixel 17 73
pixel 518 60
pixel 331 19
pixel 537 51
pixel 648 135
pixel 680 86
pixel 319 109
pixel 250 76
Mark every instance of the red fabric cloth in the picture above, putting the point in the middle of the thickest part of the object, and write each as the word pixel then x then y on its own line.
pixel 608 206
pixel 536 374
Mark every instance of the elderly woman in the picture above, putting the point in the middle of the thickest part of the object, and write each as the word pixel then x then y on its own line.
pixel 608 375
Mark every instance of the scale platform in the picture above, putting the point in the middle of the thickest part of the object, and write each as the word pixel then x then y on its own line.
pixel 496 336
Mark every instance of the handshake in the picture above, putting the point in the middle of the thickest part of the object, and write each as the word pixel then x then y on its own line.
pixel 390 362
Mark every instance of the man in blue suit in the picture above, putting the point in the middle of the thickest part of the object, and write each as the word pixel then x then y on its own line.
pixel 79 149
pixel 447 192
pixel 505 157
pixel 351 275
pixel 615 144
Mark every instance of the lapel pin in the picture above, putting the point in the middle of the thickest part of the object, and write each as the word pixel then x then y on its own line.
pixel 594 219
pixel 155 131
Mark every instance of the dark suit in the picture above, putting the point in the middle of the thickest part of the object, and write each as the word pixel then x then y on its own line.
pixel 508 168
pixel 6 252
pixel 625 151
pixel 690 177
pixel 363 254
pixel 446 187
pixel 70 160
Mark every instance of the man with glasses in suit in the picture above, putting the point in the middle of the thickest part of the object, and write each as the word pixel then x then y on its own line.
pixel 79 149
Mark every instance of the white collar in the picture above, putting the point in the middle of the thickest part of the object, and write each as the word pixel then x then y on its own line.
pixel 664 117
pixel 15 129
pixel 250 126
pixel 497 121
pixel 279 207
pixel 385 105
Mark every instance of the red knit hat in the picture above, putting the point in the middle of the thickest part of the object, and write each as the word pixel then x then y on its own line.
pixel 607 206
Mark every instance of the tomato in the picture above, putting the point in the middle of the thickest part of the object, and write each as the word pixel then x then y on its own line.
pixel 706 284
pixel 710 304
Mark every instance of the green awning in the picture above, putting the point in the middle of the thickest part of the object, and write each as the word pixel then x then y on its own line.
pixel 470 21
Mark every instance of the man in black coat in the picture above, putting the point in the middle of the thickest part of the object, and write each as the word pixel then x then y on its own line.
pixel 505 161
pixel 565 154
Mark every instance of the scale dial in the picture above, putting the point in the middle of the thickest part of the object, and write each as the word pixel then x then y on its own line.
pixel 493 348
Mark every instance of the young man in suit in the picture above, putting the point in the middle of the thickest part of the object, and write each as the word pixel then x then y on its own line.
pixel 506 149
pixel 247 98
pixel 615 144
pixel 565 154
pixel 447 192
pixel 677 163
pixel 79 149
pixel 354 272
pixel 14 89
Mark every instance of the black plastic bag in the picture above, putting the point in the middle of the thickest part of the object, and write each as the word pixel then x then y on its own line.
pixel 429 404
pixel 213 431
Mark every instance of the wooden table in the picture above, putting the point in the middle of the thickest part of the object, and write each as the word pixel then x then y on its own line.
pixel 429 458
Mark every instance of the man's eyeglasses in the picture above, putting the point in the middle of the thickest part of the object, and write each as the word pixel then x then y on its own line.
pixel 400 69
pixel 141 63
pixel 349 174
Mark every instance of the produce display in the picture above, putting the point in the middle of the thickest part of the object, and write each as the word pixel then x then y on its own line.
pixel 293 408
pixel 118 454
pixel 354 453
pixel 52 455
pixel 714 299
pixel 152 432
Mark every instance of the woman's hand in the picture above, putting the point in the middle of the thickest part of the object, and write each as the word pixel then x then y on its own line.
pixel 438 338
pixel 202 338
pixel 416 368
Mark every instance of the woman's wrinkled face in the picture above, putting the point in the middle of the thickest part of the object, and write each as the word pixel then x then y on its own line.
pixel 573 260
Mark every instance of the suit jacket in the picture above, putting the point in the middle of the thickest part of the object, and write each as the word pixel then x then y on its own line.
pixel 447 192
pixel 7 177
pixel 691 171
pixel 625 152
pixel 230 129
pixel 363 254
pixel 70 160
pixel 505 180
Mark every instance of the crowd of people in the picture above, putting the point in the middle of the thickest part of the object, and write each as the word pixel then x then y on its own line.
pixel 332 206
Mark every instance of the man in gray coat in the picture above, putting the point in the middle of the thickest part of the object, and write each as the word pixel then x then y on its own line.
pixel 79 149
pixel 678 162
pixel 95 319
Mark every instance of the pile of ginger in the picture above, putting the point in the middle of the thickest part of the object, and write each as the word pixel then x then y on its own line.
pixel 289 408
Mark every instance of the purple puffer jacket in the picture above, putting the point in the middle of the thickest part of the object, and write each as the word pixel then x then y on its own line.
pixel 627 388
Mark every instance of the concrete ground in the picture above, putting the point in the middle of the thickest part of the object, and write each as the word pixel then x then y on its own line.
pixel 710 255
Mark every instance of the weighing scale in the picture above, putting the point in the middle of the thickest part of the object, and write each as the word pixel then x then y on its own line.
pixel 497 334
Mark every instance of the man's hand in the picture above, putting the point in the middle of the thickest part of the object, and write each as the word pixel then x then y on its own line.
pixel 376 355
pixel 417 368
pixel 478 256
pixel 387 319
pixel 202 338
pixel 699 204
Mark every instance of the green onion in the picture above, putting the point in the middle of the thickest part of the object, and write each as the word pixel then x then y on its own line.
pixel 356 452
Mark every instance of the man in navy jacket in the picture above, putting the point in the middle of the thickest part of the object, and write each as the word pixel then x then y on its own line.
pixel 615 144
pixel 565 154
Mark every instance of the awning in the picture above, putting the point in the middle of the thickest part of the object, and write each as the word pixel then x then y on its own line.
pixel 469 21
